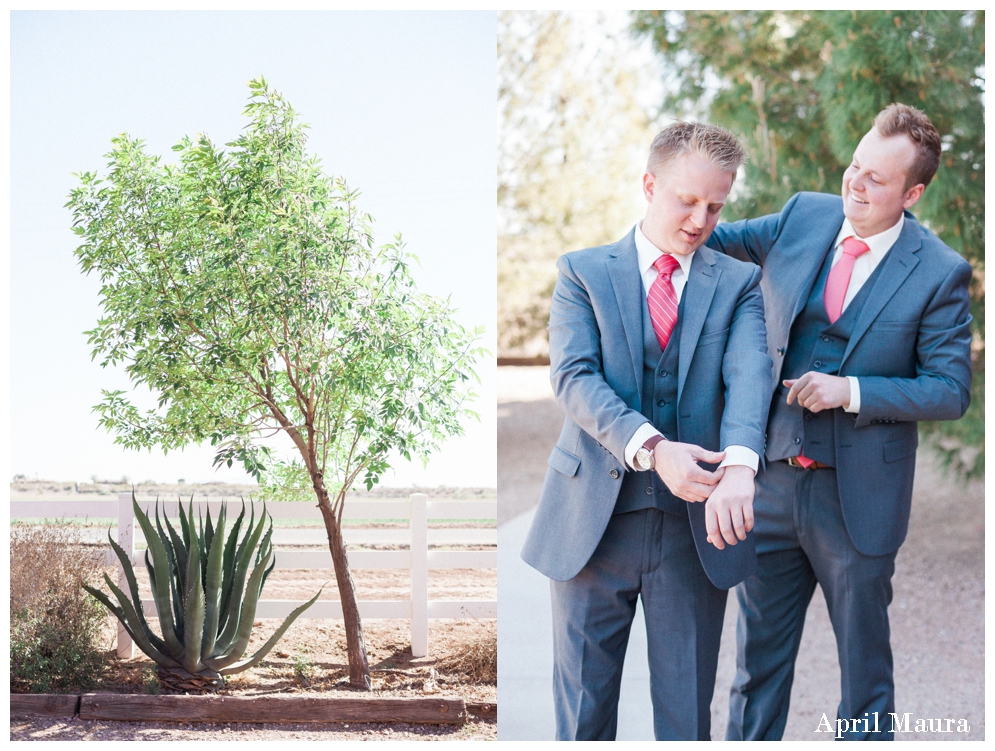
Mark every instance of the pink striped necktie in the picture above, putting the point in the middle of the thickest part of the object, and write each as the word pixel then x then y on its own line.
pixel 835 292
pixel 839 277
pixel 662 299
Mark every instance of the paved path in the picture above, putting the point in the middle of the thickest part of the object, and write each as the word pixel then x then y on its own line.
pixel 937 614
pixel 525 664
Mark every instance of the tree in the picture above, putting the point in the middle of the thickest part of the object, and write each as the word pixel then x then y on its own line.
pixel 572 142
pixel 243 288
pixel 803 87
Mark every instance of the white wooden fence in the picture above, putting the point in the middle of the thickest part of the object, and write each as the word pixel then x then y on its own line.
pixel 418 558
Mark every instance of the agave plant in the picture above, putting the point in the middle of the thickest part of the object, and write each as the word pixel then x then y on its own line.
pixel 204 593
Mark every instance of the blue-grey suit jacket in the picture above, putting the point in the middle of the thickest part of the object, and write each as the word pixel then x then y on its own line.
pixel 596 370
pixel 910 350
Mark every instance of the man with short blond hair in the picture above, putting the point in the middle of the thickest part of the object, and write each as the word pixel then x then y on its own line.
pixel 868 325
pixel 658 358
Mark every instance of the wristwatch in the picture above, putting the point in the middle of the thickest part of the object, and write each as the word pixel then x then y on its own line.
pixel 644 458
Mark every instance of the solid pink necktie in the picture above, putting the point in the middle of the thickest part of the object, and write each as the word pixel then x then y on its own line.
pixel 835 293
pixel 662 299
pixel 839 277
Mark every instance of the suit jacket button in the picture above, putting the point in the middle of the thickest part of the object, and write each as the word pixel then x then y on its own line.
pixel 663 373
pixel 661 403
pixel 818 363
pixel 649 491
pixel 798 440
pixel 614 474
pixel 780 350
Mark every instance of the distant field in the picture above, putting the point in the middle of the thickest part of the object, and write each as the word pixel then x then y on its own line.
pixel 43 490
pixel 49 490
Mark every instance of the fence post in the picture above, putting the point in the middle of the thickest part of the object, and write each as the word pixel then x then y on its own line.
pixel 419 575
pixel 126 539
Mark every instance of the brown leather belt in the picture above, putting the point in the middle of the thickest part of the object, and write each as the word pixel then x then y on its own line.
pixel 793 462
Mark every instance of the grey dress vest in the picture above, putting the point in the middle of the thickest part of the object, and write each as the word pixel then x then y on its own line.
pixel 815 345
pixel 659 405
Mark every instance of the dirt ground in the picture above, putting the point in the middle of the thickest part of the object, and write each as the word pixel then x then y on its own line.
pixel 310 659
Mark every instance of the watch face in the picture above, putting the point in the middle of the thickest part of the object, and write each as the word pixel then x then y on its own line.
pixel 643 460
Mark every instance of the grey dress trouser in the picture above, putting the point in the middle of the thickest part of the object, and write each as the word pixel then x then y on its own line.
pixel 802 540
pixel 649 554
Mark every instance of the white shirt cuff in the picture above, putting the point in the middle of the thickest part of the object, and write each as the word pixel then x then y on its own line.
pixel 741 456
pixel 854 395
pixel 642 434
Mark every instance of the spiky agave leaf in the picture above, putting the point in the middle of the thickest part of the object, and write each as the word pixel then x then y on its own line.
pixel 129 619
pixel 175 585
pixel 136 599
pixel 220 593
pixel 184 526
pixel 161 592
pixel 228 566
pixel 180 550
pixel 193 603
pixel 238 667
pixel 267 572
pixel 236 603
pixel 212 587
pixel 236 648
pixel 207 535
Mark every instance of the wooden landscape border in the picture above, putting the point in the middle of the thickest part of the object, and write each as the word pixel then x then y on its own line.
pixel 44 705
pixel 446 710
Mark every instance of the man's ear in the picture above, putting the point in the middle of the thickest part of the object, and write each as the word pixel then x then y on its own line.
pixel 912 195
pixel 649 185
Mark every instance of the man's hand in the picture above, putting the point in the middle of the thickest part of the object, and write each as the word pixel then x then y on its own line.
pixel 729 509
pixel 819 391
pixel 677 465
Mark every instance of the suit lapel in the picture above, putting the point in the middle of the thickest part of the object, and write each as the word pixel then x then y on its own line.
pixel 806 269
pixel 898 264
pixel 699 290
pixel 623 271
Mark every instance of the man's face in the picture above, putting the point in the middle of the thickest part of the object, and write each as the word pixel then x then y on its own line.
pixel 685 198
pixel 874 193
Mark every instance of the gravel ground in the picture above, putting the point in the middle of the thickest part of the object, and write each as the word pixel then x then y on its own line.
pixel 31 729
pixel 938 611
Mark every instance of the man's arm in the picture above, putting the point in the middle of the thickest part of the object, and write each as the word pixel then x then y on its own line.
pixel 576 372
pixel 578 381
pixel 750 240
pixel 746 372
pixel 941 389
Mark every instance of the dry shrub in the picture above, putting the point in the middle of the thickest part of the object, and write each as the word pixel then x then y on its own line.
pixel 54 623
pixel 475 662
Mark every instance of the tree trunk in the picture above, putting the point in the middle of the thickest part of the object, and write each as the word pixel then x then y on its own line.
pixel 359 665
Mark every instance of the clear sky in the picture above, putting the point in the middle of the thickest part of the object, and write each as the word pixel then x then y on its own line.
pixel 401 104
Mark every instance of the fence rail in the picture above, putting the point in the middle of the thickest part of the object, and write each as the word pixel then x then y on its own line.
pixel 418 558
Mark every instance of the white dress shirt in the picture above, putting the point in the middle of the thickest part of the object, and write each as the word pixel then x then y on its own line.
pixel 647 253
pixel 863 267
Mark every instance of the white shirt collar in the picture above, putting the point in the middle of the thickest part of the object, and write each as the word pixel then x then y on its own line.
pixel 648 253
pixel 879 244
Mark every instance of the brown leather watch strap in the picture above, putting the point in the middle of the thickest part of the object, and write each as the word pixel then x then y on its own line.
pixel 651 442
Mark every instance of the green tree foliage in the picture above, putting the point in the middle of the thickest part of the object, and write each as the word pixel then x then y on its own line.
pixel 802 88
pixel 572 143
pixel 243 288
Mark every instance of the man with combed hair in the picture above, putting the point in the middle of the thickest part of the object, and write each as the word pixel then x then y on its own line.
pixel 869 330
pixel 658 358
